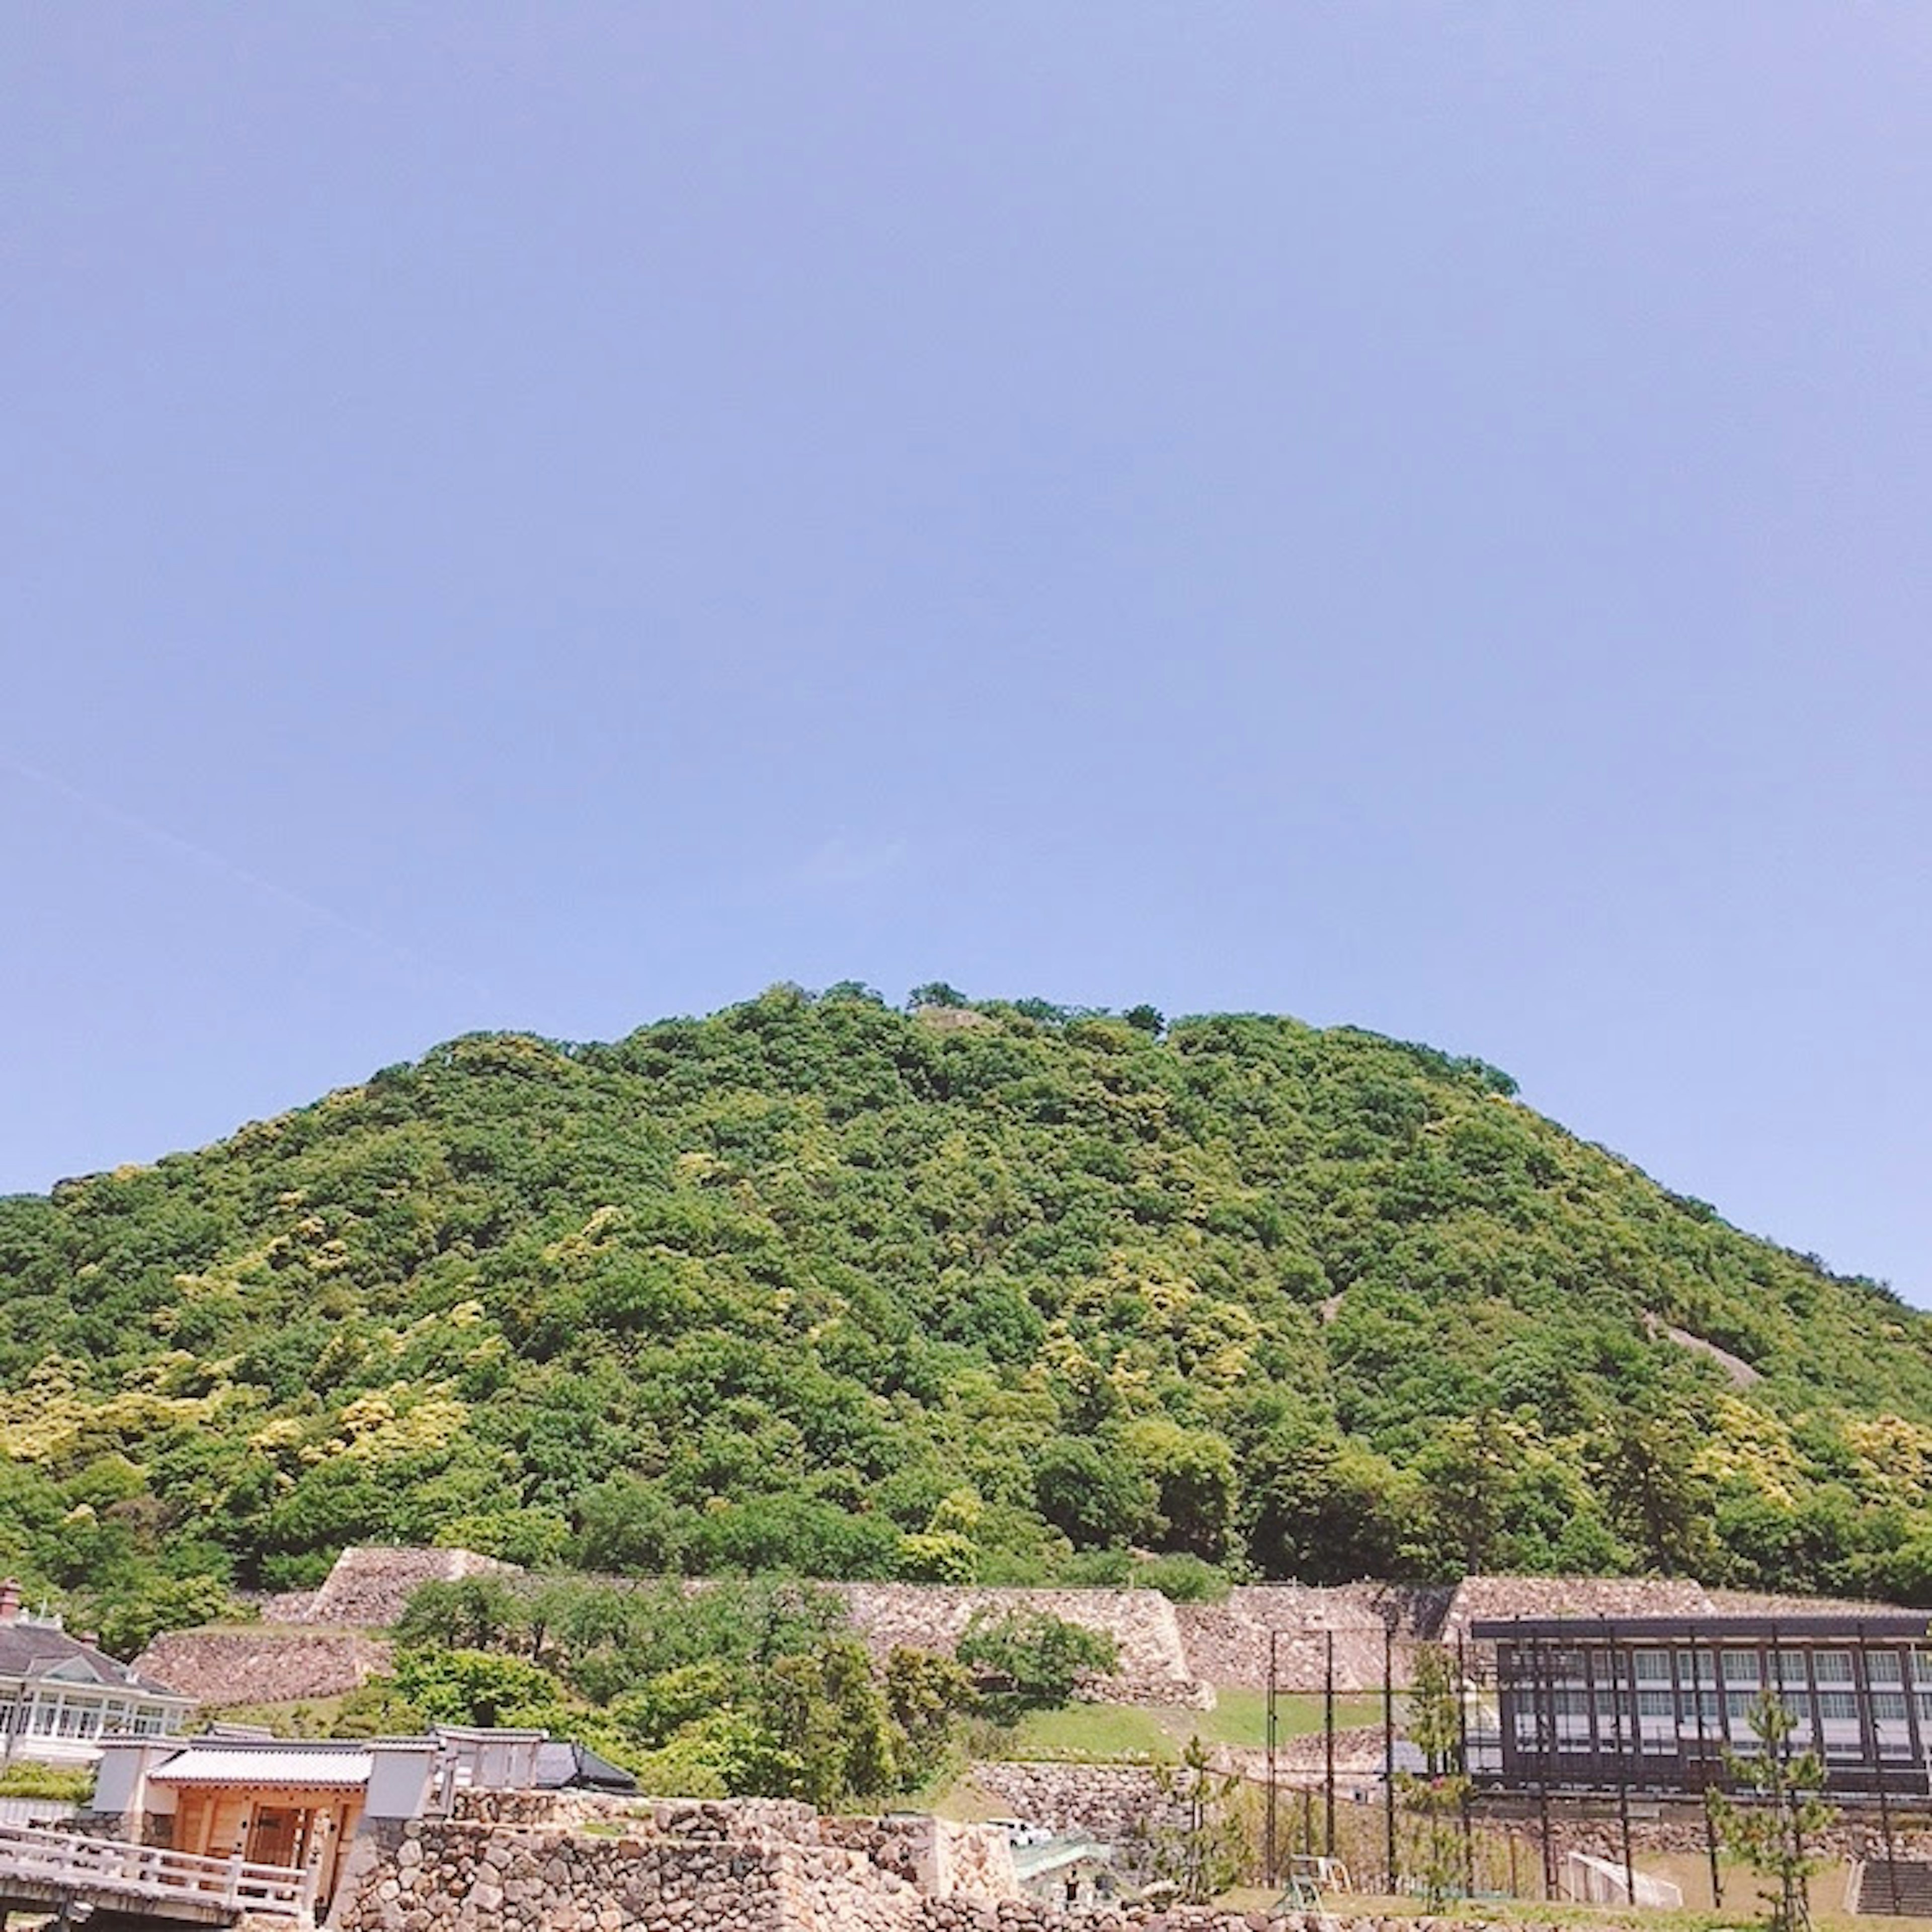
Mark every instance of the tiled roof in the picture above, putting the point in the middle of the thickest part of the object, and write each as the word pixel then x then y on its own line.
pixel 205 1764
pixel 31 1650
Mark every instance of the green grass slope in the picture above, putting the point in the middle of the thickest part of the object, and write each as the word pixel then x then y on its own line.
pixel 993 1293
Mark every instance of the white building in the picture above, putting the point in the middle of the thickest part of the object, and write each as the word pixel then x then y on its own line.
pixel 59 1696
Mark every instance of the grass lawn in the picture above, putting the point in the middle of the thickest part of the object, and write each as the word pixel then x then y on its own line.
pixel 1088 1733
pixel 1135 1734
pixel 1240 1717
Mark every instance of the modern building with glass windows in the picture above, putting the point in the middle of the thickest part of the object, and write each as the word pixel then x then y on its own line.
pixel 1664 1704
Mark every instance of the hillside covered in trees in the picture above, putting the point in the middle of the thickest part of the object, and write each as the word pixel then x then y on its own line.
pixel 993 1292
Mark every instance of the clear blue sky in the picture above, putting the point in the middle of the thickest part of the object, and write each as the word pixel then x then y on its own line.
pixel 548 516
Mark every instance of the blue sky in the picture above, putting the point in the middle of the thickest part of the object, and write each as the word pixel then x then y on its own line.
pixel 548 517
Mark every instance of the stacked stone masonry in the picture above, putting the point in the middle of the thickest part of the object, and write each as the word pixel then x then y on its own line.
pixel 1169 1654
pixel 741 1866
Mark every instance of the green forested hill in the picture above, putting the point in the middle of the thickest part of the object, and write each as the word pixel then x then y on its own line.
pixel 993 1292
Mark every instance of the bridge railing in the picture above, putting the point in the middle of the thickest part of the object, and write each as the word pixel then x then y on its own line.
pixel 65 1857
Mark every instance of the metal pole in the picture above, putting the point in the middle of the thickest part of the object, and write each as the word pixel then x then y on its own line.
pixel 1704 1770
pixel 1544 1678
pixel 1270 1854
pixel 1868 1729
pixel 1462 1767
pixel 1388 1750
pixel 1623 1768
pixel 1328 1754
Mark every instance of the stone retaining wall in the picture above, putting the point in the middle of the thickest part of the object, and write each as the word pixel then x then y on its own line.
pixel 1154 1667
pixel 1680 1830
pixel 1121 1804
pixel 743 1866
pixel 262 1666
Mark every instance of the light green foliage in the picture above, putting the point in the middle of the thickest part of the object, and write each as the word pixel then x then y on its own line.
pixel 473 1613
pixel 944 1557
pixel 24 1778
pixel 476 1687
pixel 131 1616
pixel 377 1709
pixel 1183 1580
pixel 1778 1833
pixel 828 1713
pixel 803 1285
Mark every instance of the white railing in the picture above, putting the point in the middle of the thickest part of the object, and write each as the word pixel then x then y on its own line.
pixel 63 1857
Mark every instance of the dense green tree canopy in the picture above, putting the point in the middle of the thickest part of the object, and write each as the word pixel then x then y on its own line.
pixel 981 1291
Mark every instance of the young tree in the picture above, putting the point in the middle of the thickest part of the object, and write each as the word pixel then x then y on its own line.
pixel 1778 1836
pixel 1435 1796
pixel 1201 1849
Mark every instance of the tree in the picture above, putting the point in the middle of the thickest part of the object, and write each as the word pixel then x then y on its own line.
pixel 1146 1019
pixel 925 1694
pixel 1435 1796
pixel 1663 1502
pixel 476 1687
pixel 1469 1468
pixel 826 1711
pixel 628 1528
pixel 1030 1659
pixel 1091 1492
pixel 1200 1848
pixel 472 1613
pixel 941 1558
pixel 935 993
pixel 1192 1473
pixel 1778 1836
pixel 1328 1510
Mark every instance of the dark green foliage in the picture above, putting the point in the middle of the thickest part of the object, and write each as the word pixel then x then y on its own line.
pixel 1093 1496
pixel 814 1286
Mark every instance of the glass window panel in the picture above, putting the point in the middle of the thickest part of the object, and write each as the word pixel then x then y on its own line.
pixel 1653 1667
pixel 1741 1667
pixel 1835 1706
pixel 1881 1666
pixel 1888 1706
pixel 1834 1666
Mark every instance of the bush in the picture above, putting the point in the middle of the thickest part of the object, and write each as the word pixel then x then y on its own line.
pixel 23 1778
pixel 1183 1580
